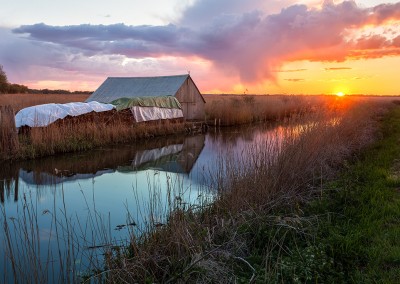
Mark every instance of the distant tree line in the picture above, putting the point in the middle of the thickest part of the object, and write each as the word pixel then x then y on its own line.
pixel 61 92
pixel 8 88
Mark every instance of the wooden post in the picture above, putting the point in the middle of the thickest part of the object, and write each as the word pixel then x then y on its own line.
pixel 8 132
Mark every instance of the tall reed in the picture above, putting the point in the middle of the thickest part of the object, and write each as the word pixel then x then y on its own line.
pixel 212 244
pixel 211 241
pixel 83 133
pixel 8 132
pixel 242 109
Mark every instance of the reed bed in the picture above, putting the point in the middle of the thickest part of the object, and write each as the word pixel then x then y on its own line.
pixel 74 135
pixel 257 207
pixel 8 132
pixel 227 110
pixel 97 129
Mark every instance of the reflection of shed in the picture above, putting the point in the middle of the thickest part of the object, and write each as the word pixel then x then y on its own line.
pixel 180 86
pixel 179 158
pixel 173 154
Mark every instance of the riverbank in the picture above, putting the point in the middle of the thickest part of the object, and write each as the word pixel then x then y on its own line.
pixel 360 234
pixel 348 234
pixel 324 210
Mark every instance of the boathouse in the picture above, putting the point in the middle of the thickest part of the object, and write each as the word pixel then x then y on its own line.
pixel 180 86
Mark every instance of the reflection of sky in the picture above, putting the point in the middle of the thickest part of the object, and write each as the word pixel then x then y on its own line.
pixel 115 198
pixel 107 200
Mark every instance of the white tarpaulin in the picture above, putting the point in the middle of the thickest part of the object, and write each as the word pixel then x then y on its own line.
pixel 155 154
pixel 155 113
pixel 43 115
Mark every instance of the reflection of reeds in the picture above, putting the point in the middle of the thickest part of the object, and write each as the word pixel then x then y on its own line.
pixel 69 250
pixel 9 181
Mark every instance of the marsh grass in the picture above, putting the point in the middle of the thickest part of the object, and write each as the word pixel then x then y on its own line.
pixel 255 228
pixel 99 129
pixel 87 132
pixel 8 132
pixel 229 110
pixel 73 133
pixel 251 229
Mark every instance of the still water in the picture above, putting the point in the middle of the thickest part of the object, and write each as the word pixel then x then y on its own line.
pixel 106 195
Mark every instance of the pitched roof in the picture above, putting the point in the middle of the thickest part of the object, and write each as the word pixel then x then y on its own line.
pixel 129 87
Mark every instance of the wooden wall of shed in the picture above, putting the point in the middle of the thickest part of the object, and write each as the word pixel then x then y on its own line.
pixel 191 100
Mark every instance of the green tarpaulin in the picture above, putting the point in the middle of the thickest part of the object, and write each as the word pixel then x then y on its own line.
pixel 162 102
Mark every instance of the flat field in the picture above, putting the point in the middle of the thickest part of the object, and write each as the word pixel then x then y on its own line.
pixel 20 101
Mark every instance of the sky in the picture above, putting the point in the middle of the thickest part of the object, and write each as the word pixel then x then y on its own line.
pixel 227 46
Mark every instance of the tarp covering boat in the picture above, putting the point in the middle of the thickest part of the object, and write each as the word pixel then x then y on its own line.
pixel 161 102
pixel 43 115
pixel 151 108
pixel 155 113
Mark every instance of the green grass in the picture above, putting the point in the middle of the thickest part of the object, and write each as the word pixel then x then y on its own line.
pixel 364 234
pixel 355 237
pixel 350 234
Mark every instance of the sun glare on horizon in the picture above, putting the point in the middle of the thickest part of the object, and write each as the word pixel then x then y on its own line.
pixel 340 94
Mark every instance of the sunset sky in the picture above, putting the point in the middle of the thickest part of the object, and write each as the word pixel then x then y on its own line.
pixel 228 46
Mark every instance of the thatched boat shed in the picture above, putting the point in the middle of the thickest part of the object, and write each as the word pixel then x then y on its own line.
pixel 180 86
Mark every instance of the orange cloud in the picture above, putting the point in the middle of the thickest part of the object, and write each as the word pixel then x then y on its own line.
pixel 294 80
pixel 245 46
pixel 337 68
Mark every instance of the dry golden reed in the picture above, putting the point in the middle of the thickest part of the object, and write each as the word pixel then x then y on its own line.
pixel 242 109
pixel 288 169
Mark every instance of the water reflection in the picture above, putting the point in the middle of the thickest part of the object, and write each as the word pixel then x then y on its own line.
pixel 174 154
pixel 104 191
pixel 9 181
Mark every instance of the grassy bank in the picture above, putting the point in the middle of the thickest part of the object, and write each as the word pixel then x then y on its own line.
pixel 348 234
pixel 362 233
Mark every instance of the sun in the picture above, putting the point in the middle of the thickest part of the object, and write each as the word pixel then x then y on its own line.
pixel 340 94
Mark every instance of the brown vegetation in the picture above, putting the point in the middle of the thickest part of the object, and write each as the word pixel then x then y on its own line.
pixel 241 109
pixel 8 132
pixel 211 244
pixel 90 131
pixel 96 129
pixel 99 129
